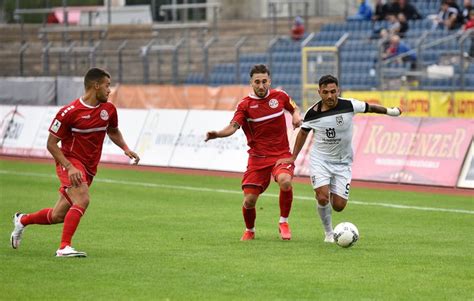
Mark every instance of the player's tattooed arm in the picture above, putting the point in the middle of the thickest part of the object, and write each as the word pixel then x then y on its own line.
pixel 225 132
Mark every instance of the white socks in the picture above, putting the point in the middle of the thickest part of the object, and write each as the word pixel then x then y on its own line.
pixel 325 215
pixel 283 219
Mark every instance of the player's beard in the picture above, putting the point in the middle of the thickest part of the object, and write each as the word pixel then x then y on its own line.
pixel 261 93
pixel 102 97
pixel 331 102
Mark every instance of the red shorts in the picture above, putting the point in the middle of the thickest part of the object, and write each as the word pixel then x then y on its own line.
pixel 64 176
pixel 260 170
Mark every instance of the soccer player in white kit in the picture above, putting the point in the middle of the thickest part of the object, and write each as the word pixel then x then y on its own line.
pixel 331 156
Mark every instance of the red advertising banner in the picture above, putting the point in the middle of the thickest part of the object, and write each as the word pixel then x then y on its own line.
pixel 437 153
pixel 413 150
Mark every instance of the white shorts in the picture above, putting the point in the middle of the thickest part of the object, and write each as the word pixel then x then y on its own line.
pixel 338 176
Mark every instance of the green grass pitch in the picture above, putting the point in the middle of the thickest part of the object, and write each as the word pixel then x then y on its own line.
pixel 156 236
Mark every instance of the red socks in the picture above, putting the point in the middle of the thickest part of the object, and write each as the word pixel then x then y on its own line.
pixel 286 198
pixel 249 217
pixel 71 221
pixel 42 217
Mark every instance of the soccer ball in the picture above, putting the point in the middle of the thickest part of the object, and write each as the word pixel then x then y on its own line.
pixel 346 234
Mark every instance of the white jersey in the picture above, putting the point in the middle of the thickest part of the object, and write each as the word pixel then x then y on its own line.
pixel 333 130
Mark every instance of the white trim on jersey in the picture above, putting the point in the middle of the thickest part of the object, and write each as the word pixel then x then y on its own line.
pixel 86 105
pixel 266 117
pixel 91 130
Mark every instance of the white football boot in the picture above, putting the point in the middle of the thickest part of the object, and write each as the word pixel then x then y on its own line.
pixel 15 237
pixel 68 251
pixel 329 237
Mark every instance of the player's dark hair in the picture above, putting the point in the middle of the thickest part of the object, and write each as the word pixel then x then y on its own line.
pixel 94 75
pixel 261 68
pixel 328 79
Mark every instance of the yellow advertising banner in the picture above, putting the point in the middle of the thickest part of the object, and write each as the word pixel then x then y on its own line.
pixel 464 104
pixel 441 104
pixel 421 103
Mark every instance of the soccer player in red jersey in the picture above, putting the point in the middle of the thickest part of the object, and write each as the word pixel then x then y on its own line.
pixel 81 127
pixel 261 117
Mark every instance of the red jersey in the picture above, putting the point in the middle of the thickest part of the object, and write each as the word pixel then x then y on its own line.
pixel 82 130
pixel 263 122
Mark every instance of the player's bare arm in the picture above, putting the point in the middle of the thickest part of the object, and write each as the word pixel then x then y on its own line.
pixel 296 118
pixel 225 132
pixel 300 140
pixel 75 175
pixel 116 136
pixel 383 110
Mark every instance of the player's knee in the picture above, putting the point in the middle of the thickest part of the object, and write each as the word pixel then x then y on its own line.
pixel 81 197
pixel 285 185
pixel 250 201
pixel 57 217
pixel 322 198
pixel 338 204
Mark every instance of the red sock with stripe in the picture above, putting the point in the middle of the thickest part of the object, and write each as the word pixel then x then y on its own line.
pixel 71 221
pixel 249 217
pixel 42 217
pixel 286 198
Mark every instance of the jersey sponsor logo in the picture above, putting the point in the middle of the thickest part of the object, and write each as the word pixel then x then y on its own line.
pixel 55 126
pixel 331 133
pixel 86 116
pixel 104 115
pixel 339 120
pixel 273 103
pixel 254 107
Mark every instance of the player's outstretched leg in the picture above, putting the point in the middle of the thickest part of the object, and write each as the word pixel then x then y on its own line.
pixel 18 229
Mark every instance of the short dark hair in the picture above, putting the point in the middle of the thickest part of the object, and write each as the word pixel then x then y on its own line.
pixel 328 79
pixel 94 75
pixel 260 68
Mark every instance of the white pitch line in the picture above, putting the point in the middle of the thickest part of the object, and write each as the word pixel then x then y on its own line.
pixel 202 189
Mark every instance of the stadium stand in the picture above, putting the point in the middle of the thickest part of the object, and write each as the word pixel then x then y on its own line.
pixel 196 52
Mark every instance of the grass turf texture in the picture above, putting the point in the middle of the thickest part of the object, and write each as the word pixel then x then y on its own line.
pixel 177 243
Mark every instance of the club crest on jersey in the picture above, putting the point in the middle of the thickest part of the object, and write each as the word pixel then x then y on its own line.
pixel 104 115
pixel 339 120
pixel 331 133
pixel 273 103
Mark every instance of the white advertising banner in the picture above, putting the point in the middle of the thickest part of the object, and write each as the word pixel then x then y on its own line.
pixel 22 128
pixel 159 135
pixel 466 179
pixel 6 115
pixel 38 148
pixel 130 122
pixel 229 154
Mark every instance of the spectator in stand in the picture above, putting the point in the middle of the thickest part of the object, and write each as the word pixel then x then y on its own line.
pixel 467 8
pixel 447 17
pixel 402 20
pixel 396 26
pixel 297 30
pixel 381 10
pixel 363 14
pixel 397 47
pixel 406 8
pixel 470 25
